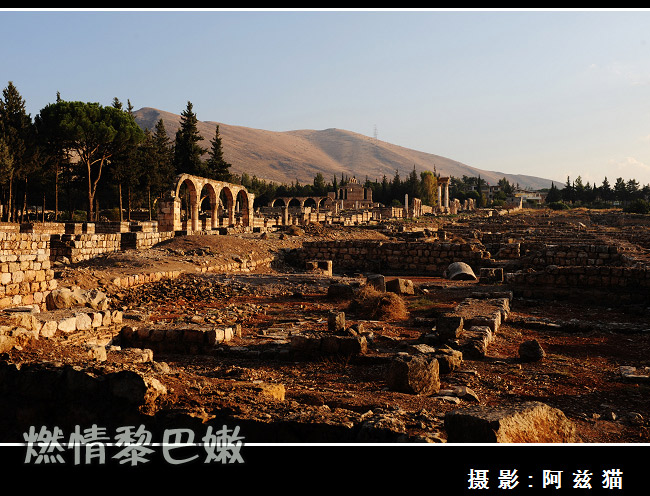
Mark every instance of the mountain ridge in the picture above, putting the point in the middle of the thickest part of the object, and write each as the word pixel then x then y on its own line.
pixel 288 156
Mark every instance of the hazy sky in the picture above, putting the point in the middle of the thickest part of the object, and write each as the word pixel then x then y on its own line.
pixel 547 93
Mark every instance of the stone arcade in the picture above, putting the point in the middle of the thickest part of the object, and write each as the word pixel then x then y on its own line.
pixel 229 205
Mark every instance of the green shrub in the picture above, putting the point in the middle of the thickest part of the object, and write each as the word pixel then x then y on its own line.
pixel 558 205
pixel 638 207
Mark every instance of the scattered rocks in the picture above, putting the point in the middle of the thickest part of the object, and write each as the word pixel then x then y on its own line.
pixel 635 374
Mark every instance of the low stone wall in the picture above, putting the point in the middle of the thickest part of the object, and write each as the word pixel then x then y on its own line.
pixel 574 255
pixel 127 281
pixel 144 239
pixel 25 274
pixel 189 338
pixel 398 257
pixel 78 247
pixel 597 284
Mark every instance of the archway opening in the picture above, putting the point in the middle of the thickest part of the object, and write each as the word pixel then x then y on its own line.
pixel 226 211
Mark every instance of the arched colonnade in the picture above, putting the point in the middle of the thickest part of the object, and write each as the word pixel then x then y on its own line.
pixel 316 202
pixel 232 202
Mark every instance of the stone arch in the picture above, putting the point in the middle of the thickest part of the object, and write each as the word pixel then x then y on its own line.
pixel 243 206
pixel 187 191
pixel 208 203
pixel 227 206
pixel 325 202
pixel 218 194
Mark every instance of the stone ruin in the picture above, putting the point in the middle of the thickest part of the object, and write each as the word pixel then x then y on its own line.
pixel 516 259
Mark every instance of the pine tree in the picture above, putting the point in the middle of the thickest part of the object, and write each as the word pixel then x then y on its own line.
pixel 17 132
pixel 155 157
pixel 163 148
pixel 554 194
pixel 187 152
pixel 216 167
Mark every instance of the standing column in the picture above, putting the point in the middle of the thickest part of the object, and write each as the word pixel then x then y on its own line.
pixel 439 195
pixel 447 195
pixel 215 215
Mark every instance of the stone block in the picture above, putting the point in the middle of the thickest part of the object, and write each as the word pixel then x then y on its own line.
pixel 377 281
pixel 414 375
pixel 449 326
pixel 83 322
pixel 400 286
pixel 68 324
pixel 336 321
pixel 529 422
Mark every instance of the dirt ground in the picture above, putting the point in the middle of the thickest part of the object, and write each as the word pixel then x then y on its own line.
pixel 585 346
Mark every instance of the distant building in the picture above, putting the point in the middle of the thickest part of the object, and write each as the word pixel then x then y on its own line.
pixel 529 196
pixel 352 195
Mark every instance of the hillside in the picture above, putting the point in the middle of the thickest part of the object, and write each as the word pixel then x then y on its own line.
pixel 284 157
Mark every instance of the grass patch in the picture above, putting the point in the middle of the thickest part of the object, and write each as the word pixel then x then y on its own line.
pixel 376 305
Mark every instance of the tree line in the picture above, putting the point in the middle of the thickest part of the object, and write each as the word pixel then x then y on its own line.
pixel 75 157
pixel 628 194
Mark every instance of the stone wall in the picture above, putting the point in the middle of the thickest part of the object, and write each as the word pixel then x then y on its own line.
pixel 143 240
pixel 425 258
pixel 78 247
pixel 596 284
pixel 573 254
pixel 25 274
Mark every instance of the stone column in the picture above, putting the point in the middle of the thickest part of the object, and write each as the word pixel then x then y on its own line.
pixel 194 207
pixel 439 195
pixel 214 207
pixel 447 195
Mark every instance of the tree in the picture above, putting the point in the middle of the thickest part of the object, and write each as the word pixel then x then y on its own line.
pixel 568 192
pixel 16 130
pixel 125 168
pixel 187 152
pixel 320 188
pixel 216 167
pixel 155 159
pixel 505 186
pixel 554 194
pixel 413 184
pixel 632 189
pixel 605 190
pixel 620 189
pixel 429 188
pixel 93 133
pixel 396 187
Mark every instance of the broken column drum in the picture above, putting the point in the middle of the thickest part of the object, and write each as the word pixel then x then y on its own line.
pixel 460 271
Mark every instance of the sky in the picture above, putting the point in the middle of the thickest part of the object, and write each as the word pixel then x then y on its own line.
pixel 549 93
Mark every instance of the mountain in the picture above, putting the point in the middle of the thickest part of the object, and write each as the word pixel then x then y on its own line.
pixel 284 157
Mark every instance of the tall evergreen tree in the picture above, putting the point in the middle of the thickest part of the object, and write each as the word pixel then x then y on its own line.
pixel 215 166
pixel 553 194
pixel 124 167
pixel 155 159
pixel 163 148
pixel 16 130
pixel 605 190
pixel 187 152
